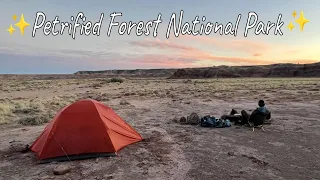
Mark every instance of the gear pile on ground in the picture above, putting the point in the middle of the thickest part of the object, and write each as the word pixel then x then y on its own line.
pixel 205 121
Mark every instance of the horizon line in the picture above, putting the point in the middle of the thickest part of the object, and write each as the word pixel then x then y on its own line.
pixel 154 69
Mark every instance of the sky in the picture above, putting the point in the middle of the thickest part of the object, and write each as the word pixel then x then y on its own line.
pixel 49 54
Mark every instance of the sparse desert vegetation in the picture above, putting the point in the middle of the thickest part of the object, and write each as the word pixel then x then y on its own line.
pixel 171 150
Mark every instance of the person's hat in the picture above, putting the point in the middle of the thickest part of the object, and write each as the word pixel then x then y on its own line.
pixel 261 103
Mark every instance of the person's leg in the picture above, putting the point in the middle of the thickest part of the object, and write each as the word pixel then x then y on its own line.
pixel 244 117
pixel 268 116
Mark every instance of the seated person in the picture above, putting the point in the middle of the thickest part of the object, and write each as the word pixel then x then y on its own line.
pixel 262 108
pixel 259 114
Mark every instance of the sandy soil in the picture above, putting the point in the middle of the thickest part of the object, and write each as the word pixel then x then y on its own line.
pixel 288 149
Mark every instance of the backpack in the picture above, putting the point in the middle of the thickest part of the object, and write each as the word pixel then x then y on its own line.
pixel 222 123
pixel 208 121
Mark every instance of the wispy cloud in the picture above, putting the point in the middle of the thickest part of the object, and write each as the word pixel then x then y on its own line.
pixel 164 61
pixel 161 44
pixel 180 51
pixel 246 46
pixel 28 50
pixel 257 54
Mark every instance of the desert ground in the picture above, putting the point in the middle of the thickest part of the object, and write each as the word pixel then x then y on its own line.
pixel 288 149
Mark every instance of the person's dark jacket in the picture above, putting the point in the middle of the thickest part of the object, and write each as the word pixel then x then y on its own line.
pixel 259 115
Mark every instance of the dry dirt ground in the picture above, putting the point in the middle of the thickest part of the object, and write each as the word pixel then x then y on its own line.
pixel 288 149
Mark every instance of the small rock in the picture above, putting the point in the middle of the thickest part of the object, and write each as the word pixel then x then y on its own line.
pixel 175 120
pixel 183 120
pixel 193 119
pixel 18 147
pixel 61 169
pixel 26 155
pixel 26 149
pixel 231 153
pixel 124 102
pixel 110 177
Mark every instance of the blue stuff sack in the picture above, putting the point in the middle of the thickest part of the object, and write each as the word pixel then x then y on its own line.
pixel 221 123
pixel 228 123
pixel 208 121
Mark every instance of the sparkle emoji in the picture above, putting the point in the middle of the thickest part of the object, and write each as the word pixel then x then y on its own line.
pixel 291 26
pixel 302 21
pixel 294 14
pixel 22 24
pixel 10 29
pixel 14 17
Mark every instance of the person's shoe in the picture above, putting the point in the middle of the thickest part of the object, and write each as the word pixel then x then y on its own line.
pixel 269 121
pixel 247 125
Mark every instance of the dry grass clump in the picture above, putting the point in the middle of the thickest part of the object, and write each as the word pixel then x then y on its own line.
pixel 44 111
pixel 111 80
pixel 102 82
pixel 98 96
pixel 38 119
pixel 114 80
pixel 6 110
pixel 58 102
pixel 32 112
pixel 21 85
pixel 28 107
pixel 19 109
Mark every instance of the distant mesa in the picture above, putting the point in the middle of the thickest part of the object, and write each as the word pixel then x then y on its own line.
pixel 132 73
pixel 274 70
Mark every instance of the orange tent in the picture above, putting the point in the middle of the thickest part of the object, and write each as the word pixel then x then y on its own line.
pixel 87 128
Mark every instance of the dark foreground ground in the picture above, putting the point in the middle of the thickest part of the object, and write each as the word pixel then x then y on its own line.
pixel 289 149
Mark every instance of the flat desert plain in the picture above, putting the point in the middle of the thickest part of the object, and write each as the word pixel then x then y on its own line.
pixel 288 149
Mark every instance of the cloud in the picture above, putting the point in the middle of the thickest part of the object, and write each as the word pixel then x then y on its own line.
pixel 246 46
pixel 163 61
pixel 257 54
pixel 188 52
pixel 27 50
pixel 161 44
pixel 186 55
pixel 39 58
